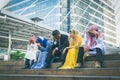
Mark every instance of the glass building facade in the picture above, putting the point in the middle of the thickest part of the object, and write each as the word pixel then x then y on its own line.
pixel 116 6
pixel 67 14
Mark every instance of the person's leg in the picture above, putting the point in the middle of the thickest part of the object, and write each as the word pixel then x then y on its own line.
pixel 64 57
pixel 43 59
pixel 27 63
pixel 49 56
pixel 48 60
pixel 38 63
pixel 99 57
pixel 33 65
pixel 37 55
pixel 80 56
pixel 32 62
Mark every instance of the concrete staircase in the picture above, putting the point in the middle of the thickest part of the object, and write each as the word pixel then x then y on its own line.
pixel 10 70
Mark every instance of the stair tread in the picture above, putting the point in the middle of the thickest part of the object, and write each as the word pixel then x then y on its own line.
pixel 59 76
pixel 80 71
pixel 106 61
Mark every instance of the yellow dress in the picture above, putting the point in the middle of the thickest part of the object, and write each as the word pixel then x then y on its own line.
pixel 72 54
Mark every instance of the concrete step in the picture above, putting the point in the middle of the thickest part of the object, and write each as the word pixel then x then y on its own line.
pixel 105 57
pixel 91 64
pixel 10 67
pixel 89 58
pixel 55 77
pixel 88 64
pixel 12 63
pixel 81 71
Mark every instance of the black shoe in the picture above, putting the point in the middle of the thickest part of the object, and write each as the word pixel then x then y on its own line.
pixel 47 66
pixel 25 68
pixel 59 66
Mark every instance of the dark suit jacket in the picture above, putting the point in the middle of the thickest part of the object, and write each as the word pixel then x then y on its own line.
pixel 63 42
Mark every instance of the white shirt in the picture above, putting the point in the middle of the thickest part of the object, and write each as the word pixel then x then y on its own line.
pixel 31 51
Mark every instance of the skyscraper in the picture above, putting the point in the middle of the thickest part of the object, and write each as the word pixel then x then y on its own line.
pixel 83 13
pixel 67 14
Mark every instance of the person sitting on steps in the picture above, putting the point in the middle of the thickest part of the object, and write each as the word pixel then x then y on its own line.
pixel 92 45
pixel 30 56
pixel 75 41
pixel 59 44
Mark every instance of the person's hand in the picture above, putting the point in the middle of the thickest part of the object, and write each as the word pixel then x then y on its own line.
pixel 85 48
pixel 39 45
pixel 53 52
pixel 95 33
pixel 63 52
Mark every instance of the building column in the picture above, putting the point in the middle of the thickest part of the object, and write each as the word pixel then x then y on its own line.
pixel 9 45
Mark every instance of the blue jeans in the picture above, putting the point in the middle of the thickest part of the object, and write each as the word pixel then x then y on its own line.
pixel 41 60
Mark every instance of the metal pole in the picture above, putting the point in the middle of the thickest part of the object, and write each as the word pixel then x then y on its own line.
pixel 9 45
pixel 68 18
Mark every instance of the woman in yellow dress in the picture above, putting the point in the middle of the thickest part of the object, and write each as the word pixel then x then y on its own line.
pixel 72 54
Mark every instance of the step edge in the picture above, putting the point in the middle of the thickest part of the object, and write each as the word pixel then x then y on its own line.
pixel 27 75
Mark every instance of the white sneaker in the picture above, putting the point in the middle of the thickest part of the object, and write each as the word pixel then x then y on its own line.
pixel 97 64
pixel 77 65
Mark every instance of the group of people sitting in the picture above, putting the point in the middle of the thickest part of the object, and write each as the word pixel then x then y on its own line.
pixel 71 50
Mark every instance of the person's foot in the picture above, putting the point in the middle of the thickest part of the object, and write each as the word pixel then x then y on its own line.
pixel 59 66
pixel 47 66
pixel 97 64
pixel 79 65
pixel 25 68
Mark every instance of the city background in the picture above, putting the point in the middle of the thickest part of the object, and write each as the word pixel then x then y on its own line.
pixel 19 19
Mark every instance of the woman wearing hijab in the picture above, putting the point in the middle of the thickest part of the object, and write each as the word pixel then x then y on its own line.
pixel 74 43
pixel 44 46
pixel 92 45
pixel 30 56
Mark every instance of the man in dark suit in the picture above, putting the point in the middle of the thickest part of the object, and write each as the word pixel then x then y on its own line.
pixel 60 42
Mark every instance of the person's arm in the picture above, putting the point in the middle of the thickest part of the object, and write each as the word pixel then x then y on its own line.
pixel 99 42
pixel 65 44
pixel 78 43
pixel 45 48
pixel 35 47
pixel 95 33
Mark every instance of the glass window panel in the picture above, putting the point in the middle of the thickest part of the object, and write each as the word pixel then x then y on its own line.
pixel 87 16
pixel 83 21
pixel 94 5
pixel 89 10
pixel 82 5
pixel 86 1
